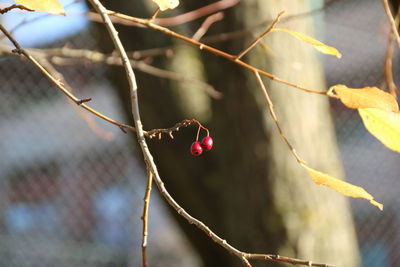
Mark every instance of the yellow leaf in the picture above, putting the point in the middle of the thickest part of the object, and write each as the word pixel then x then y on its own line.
pixel 166 4
pixel 367 97
pixel 340 186
pixel 384 125
pixel 323 48
pixel 51 6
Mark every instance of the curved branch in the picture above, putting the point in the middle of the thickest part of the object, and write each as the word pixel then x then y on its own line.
pixel 9 8
pixel 197 13
pixel 149 24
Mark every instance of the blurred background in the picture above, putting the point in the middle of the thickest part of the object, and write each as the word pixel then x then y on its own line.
pixel 72 185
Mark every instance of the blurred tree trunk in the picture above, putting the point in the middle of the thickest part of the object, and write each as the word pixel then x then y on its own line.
pixel 249 188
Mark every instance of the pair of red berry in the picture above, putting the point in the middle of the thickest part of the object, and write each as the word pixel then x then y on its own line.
pixel 197 148
pixel 206 144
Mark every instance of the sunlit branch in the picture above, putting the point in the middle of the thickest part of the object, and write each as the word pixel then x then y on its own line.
pixel 285 260
pixel 213 50
pixel 275 119
pixel 145 217
pixel 259 38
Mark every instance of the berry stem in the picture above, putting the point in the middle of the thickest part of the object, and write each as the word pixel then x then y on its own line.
pixel 198 132
pixel 202 127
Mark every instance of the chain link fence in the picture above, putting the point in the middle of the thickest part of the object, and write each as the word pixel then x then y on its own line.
pixel 72 189
pixel 359 29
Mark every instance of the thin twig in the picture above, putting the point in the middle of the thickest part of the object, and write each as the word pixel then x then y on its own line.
pixel 275 119
pixel 68 56
pixel 258 39
pixel 156 132
pixel 84 100
pixel 391 20
pixel 152 52
pixel 93 16
pixel 145 217
pixel 148 158
pixel 210 20
pixel 218 37
pixel 388 66
pixel 58 84
pixel 197 13
pixel 241 33
pixel 171 75
pixel 213 50
pixel 155 14
pixel 9 8
pixel 285 260
pixel 95 56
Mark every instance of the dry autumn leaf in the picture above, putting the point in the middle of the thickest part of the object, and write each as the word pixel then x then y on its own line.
pixel 340 186
pixel 321 47
pixel 51 6
pixel 367 97
pixel 166 4
pixel 384 125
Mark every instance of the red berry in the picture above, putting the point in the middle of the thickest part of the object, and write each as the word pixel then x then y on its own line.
pixel 196 149
pixel 207 143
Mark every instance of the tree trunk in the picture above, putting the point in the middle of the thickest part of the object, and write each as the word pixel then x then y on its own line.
pixel 249 188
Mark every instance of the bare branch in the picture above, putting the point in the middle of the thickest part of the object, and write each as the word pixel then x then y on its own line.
pixel 213 50
pixel 9 8
pixel 207 24
pixel 68 56
pixel 156 132
pixel 285 260
pixel 152 52
pixel 209 89
pixel 55 77
pixel 97 18
pixel 155 14
pixel 145 216
pixel 275 119
pixel 195 14
pixel 258 39
pixel 391 20
pixel 218 37
pixel 241 33
pixel 388 66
